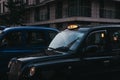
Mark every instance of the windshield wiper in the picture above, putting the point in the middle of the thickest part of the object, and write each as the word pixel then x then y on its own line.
pixel 63 48
pixel 59 48
pixel 71 43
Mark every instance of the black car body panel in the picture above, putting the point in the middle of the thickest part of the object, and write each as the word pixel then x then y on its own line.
pixel 72 53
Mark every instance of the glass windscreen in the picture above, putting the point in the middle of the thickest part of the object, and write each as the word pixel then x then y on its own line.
pixel 66 40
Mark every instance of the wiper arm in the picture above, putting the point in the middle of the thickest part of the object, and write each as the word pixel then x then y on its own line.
pixel 71 43
pixel 64 48
pixel 50 48
pixel 59 48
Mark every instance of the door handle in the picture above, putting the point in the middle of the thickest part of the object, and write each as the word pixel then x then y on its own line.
pixel 106 61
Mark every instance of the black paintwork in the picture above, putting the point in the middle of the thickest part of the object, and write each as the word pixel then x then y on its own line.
pixel 73 64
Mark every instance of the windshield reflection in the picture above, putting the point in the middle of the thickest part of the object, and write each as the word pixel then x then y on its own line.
pixel 66 40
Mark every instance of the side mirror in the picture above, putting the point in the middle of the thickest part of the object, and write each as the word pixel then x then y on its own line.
pixel 92 48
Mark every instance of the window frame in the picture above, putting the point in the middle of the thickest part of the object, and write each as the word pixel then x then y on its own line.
pixel 37 32
pixel 9 34
pixel 99 53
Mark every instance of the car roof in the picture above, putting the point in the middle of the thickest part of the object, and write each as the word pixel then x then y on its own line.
pixel 89 28
pixel 106 26
pixel 86 28
pixel 30 28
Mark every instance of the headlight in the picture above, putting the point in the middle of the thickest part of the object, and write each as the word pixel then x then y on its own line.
pixel 12 61
pixel 9 64
pixel 32 71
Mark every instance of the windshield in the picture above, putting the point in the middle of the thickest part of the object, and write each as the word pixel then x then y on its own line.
pixel 66 39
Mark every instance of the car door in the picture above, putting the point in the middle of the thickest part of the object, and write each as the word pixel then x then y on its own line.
pixel 12 44
pixel 35 41
pixel 38 40
pixel 95 56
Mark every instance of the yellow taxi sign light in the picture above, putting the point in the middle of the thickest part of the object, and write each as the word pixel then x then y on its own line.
pixel 72 26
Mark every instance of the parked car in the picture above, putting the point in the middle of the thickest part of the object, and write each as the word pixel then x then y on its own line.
pixel 23 40
pixel 74 52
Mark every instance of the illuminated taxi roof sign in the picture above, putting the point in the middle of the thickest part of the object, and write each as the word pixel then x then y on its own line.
pixel 72 26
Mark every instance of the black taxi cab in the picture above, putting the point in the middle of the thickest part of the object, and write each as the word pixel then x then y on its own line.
pixel 76 51
pixel 23 40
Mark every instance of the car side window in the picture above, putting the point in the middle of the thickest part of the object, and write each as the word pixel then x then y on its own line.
pixel 115 39
pixel 51 35
pixel 12 39
pixel 35 38
pixel 96 39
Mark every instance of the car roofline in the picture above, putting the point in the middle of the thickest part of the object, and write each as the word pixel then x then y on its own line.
pixel 30 28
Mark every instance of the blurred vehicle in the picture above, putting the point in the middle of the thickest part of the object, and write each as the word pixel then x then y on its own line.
pixel 2 27
pixel 23 40
pixel 74 52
